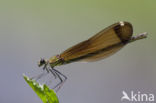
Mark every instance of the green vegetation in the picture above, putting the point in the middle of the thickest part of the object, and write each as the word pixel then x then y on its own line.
pixel 45 94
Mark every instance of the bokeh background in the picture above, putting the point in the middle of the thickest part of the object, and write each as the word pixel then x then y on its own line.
pixel 31 29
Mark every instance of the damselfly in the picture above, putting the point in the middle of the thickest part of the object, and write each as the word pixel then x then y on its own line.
pixel 103 44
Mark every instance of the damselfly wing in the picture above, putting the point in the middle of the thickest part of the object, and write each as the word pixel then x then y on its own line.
pixel 103 44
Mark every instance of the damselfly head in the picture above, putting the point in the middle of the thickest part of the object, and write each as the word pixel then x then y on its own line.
pixel 41 62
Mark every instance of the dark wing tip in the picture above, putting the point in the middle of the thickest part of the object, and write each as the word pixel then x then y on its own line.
pixel 124 31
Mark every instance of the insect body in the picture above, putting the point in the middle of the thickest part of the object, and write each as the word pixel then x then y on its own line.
pixel 103 44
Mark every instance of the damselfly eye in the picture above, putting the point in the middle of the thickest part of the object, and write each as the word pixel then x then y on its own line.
pixel 41 62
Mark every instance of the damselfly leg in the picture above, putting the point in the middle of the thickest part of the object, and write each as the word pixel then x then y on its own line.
pixel 62 80
pixel 37 77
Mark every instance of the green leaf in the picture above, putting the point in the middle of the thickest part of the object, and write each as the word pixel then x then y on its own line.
pixel 45 94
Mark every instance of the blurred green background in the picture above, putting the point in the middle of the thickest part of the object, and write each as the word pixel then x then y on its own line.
pixel 30 29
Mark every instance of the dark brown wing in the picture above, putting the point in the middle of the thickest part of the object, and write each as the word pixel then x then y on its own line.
pixel 103 44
